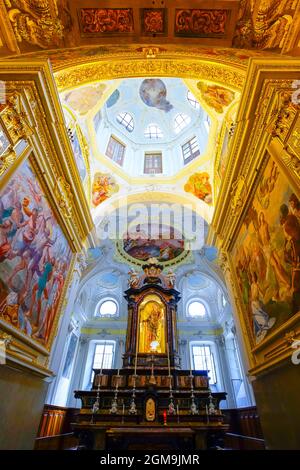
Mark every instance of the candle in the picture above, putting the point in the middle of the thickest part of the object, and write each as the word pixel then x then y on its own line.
pixel 177 409
pixel 165 417
pixel 123 409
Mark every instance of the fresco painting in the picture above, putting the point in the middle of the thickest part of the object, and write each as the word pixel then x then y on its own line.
pixel 216 96
pixel 198 184
pixel 153 93
pixel 112 100
pixel 34 257
pixel 266 255
pixel 162 242
pixel 104 186
pixel 84 99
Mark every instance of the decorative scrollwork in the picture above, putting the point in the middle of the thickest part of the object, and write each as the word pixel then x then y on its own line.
pixel 36 22
pixel 76 76
pixel 238 194
pixel 64 196
pixel 6 161
pixel 198 22
pixel 106 20
pixel 15 119
pixel 290 337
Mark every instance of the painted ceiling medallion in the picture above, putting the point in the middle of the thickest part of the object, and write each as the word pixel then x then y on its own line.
pixel 153 93
pixel 162 242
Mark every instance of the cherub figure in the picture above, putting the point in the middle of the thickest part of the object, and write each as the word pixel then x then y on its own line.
pixel 133 281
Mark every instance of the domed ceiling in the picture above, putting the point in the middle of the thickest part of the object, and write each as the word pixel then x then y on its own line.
pixel 154 103
pixel 145 139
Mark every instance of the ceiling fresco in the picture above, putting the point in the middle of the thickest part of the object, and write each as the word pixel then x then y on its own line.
pixel 249 24
pixel 162 242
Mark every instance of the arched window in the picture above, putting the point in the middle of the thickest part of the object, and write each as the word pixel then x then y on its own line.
pixel 192 100
pixel 107 308
pixel 153 131
pixel 126 120
pixel 196 309
pixel 181 121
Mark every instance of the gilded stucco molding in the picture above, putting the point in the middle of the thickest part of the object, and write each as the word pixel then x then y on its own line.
pixel 6 161
pixel 113 69
pixel 35 22
pixel 238 195
pixel 64 197
pixel 5 338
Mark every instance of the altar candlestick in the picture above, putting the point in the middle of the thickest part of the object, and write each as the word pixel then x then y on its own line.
pixel 103 358
pixel 117 379
pixel 136 352
pixel 169 366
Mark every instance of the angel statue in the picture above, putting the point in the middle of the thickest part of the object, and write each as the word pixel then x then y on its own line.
pixel 171 278
pixel 133 281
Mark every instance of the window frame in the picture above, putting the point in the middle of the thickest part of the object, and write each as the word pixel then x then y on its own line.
pixel 158 134
pixel 153 168
pixel 191 148
pixel 199 317
pixel 118 159
pixel 102 301
pixel 214 372
pixel 185 119
pixel 193 100
pixel 98 343
pixel 121 119
pixel 202 301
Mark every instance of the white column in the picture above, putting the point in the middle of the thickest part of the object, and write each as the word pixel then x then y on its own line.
pixel 78 371
pixel 63 326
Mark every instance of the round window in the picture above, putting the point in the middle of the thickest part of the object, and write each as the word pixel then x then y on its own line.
pixel 108 307
pixel 196 309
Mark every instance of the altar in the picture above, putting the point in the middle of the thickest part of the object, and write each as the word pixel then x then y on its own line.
pixel 150 403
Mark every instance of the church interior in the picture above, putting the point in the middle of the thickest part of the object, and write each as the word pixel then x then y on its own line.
pixel 149 225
